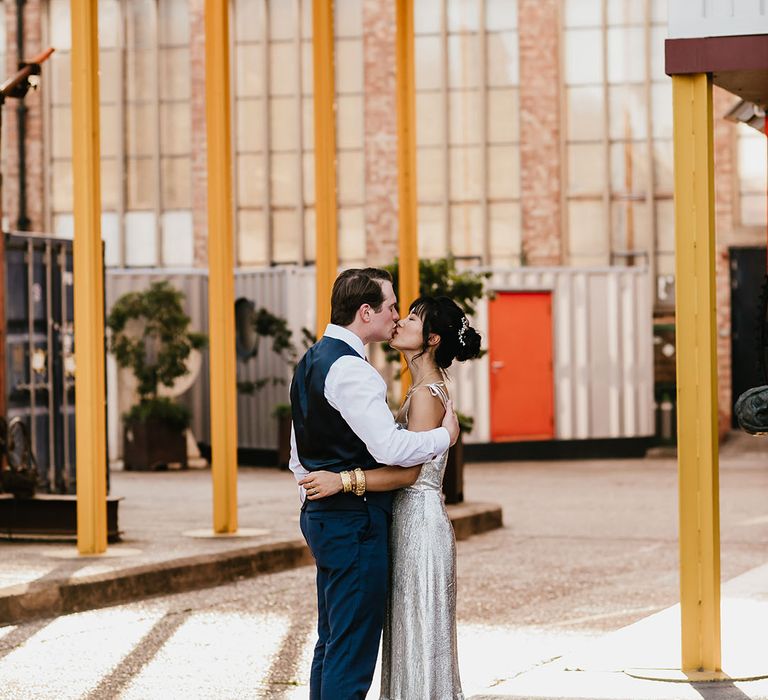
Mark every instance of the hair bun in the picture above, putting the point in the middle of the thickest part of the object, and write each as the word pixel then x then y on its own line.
pixel 469 344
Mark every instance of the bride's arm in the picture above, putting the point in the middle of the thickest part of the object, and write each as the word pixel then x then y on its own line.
pixel 425 413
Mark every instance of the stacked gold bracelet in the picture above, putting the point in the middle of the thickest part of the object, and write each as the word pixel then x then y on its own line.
pixel 346 481
pixel 359 482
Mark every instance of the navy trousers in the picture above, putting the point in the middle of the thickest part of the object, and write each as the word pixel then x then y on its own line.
pixel 351 550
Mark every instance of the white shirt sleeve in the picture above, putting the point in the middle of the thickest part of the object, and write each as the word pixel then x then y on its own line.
pixel 357 391
pixel 299 472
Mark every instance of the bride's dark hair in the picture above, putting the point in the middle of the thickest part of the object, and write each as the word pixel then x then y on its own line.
pixel 444 317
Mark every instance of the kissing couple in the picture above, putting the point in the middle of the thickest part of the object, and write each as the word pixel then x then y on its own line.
pixel 372 510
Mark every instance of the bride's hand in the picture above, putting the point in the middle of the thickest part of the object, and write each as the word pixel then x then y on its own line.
pixel 321 484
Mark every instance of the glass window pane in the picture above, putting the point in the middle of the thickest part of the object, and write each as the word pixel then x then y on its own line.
pixel 110 81
pixel 309 178
pixel 173 21
pixel 349 116
pixel 504 229
pixel 248 21
pixel 177 175
pixel 348 18
pixel 626 12
pixel 108 133
pixel 753 209
pixel 140 239
pixel 429 63
pixel 500 14
pixel 141 183
pixel 432 227
pixel 582 13
pixel 283 179
pixel 248 63
pixel 503 172
pixel 629 227
pixel 585 113
pixel 465 173
pixel 175 128
pixel 249 125
pixel 281 20
pixel 463 63
pixel 627 111
pixel 426 16
pixel 431 174
pixel 503 116
pixel 466 230
pixel 629 167
pixel 59 82
pixel 658 37
pixel 61 132
pixel 583 56
pixel 140 130
pixel 586 234
pixel 308 124
pixel 751 159
pixel 310 238
pixel 282 68
pixel 626 55
pixel 307 73
pixel 283 126
pixel 661 103
pixel 586 168
pixel 178 238
pixel 351 236
pixel 140 75
pixel 250 180
pixel 64 225
pixel 285 236
pixel 109 23
pixel 464 113
pixel 110 234
pixel 174 74
pixel 463 15
pixel 110 184
pixel 663 163
pixel 430 121
pixel 251 241
pixel 139 24
pixel 60 32
pixel 61 179
pixel 349 66
pixel 503 59
pixel 351 177
pixel 665 226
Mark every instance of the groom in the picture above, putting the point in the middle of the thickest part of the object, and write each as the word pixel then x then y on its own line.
pixel 341 421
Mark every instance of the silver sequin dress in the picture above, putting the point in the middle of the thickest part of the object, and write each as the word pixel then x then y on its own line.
pixel 419 655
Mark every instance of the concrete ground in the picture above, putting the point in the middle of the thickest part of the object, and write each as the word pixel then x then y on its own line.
pixel 578 587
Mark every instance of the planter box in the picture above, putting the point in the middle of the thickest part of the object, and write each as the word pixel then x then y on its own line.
pixel 152 446
pixel 48 516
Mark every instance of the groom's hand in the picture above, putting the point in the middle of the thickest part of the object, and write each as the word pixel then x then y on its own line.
pixel 451 422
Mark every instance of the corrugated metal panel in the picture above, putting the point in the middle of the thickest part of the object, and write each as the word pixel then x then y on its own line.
pixel 602 348
pixel 702 18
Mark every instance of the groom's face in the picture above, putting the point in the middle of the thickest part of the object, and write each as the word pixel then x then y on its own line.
pixel 383 323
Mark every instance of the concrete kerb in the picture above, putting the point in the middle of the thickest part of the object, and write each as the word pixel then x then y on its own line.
pixel 58 596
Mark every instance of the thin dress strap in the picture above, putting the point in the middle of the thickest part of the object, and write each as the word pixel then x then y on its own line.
pixel 438 389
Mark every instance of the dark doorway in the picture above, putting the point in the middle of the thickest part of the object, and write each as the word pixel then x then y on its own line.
pixel 748 268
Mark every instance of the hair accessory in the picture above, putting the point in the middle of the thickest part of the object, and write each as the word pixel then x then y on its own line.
pixel 463 330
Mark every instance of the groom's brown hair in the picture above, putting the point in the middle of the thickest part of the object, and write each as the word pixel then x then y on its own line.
pixel 356 287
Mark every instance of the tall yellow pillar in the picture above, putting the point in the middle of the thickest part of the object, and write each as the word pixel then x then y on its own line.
pixel 221 284
pixel 697 373
pixel 326 246
pixel 408 248
pixel 90 411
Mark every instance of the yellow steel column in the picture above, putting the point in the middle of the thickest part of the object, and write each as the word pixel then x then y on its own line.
pixel 90 420
pixel 221 286
pixel 326 241
pixel 406 164
pixel 697 442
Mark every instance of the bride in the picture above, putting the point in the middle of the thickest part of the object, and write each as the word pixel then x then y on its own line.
pixel 419 656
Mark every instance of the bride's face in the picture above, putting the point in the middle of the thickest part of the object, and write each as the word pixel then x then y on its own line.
pixel 409 334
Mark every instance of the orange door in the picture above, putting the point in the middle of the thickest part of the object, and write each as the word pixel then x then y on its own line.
pixel 522 386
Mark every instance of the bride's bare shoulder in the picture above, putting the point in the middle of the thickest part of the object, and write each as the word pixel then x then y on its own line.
pixel 426 410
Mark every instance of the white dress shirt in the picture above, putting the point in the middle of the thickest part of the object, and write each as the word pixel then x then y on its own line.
pixel 357 391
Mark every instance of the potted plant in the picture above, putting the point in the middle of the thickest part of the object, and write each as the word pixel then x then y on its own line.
pixel 282 412
pixel 150 335
pixel 441 278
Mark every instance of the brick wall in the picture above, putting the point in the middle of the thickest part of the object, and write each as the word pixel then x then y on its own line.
pixel 34 124
pixel 380 124
pixel 538 22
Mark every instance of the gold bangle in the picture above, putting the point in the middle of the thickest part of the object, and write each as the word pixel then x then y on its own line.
pixel 346 481
pixel 359 482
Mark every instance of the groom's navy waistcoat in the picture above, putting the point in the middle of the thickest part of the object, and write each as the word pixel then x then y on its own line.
pixel 324 440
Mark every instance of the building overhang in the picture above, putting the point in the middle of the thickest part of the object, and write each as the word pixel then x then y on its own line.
pixel 739 64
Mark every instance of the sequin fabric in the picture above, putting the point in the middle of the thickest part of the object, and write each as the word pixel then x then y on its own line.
pixel 419 653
